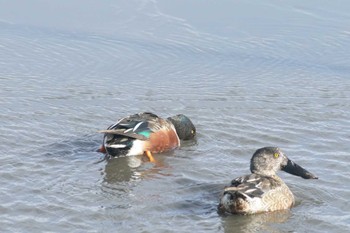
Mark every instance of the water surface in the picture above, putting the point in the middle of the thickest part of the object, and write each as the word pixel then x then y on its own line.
pixel 248 74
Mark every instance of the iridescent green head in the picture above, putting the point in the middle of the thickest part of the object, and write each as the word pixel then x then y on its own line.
pixel 184 126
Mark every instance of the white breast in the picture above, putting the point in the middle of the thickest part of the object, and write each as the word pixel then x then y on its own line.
pixel 137 148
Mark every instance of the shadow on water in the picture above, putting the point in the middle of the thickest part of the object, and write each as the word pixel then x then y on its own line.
pixel 264 222
pixel 199 199
pixel 76 148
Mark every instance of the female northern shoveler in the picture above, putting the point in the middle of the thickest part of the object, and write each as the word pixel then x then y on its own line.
pixel 263 190
pixel 146 133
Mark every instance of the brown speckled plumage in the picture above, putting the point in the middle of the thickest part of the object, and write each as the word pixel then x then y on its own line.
pixel 263 190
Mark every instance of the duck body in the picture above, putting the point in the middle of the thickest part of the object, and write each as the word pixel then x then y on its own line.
pixel 263 190
pixel 146 132
pixel 254 193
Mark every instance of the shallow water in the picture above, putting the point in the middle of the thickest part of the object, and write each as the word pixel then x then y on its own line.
pixel 248 75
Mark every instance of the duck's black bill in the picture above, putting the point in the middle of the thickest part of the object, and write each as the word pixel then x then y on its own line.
pixel 297 170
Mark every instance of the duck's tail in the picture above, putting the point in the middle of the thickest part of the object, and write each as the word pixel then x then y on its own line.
pixel 233 201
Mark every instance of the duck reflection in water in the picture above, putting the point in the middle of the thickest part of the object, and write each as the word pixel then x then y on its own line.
pixel 264 222
pixel 131 168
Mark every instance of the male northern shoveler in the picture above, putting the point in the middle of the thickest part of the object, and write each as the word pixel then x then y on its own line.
pixel 263 190
pixel 146 133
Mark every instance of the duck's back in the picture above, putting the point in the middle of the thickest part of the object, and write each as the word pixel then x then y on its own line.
pixel 137 122
pixel 256 193
pixel 140 132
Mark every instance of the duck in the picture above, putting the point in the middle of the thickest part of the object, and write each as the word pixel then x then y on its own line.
pixel 262 190
pixel 146 133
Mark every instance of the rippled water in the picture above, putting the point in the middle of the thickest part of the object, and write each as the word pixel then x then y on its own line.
pixel 249 74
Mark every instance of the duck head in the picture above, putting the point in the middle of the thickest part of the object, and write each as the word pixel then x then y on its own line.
pixel 184 126
pixel 268 160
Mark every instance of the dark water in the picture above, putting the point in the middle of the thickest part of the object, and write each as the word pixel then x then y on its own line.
pixel 249 74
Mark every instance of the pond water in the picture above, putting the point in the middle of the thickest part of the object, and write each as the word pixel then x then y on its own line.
pixel 248 74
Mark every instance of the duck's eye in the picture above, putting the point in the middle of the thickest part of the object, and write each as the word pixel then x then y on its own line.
pixel 192 132
pixel 276 155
